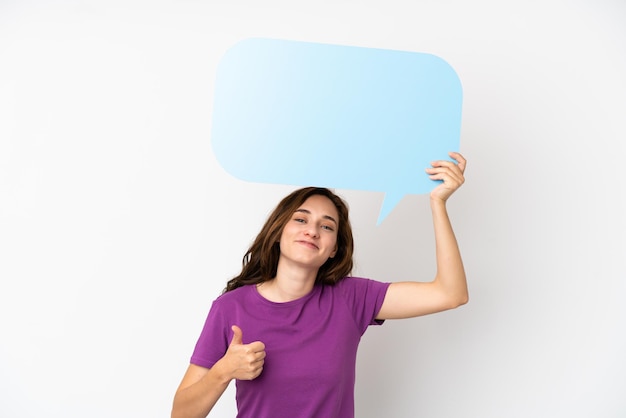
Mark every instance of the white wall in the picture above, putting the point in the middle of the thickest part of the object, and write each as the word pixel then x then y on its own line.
pixel 118 227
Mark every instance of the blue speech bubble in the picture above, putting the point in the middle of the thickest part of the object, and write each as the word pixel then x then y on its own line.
pixel 300 113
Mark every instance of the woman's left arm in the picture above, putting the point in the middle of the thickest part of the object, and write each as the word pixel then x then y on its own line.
pixel 449 288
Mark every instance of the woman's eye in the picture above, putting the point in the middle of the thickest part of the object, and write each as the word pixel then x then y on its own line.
pixel 299 220
pixel 328 227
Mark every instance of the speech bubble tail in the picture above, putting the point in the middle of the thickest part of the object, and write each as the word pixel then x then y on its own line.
pixel 389 202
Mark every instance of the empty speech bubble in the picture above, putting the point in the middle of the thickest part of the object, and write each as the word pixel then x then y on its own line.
pixel 300 113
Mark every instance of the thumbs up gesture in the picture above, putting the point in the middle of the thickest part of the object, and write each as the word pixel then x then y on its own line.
pixel 243 361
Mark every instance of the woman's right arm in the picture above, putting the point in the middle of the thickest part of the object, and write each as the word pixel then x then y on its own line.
pixel 201 388
pixel 198 392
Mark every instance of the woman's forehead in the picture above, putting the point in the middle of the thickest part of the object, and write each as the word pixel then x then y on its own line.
pixel 321 205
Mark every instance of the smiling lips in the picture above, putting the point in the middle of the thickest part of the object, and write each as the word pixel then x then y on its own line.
pixel 308 244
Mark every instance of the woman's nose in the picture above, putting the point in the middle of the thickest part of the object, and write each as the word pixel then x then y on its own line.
pixel 312 231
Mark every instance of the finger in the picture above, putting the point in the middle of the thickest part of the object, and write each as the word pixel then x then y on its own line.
pixel 454 169
pixel 256 373
pixel 443 164
pixel 256 347
pixel 449 181
pixel 446 174
pixel 237 336
pixel 462 162
pixel 259 359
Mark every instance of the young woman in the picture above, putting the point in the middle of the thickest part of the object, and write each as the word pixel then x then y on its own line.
pixel 287 328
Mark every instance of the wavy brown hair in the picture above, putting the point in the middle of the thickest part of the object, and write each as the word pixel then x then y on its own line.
pixel 261 260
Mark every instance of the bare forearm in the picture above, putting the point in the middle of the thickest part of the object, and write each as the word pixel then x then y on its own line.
pixel 201 388
pixel 198 399
pixel 450 270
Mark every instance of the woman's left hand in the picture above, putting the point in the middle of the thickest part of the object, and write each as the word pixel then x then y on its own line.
pixel 450 173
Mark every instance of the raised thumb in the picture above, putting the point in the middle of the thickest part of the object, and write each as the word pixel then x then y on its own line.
pixel 237 335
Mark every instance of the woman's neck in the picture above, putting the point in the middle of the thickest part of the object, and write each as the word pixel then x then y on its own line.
pixel 289 284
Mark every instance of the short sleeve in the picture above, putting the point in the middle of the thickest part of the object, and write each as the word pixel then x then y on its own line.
pixel 364 298
pixel 213 341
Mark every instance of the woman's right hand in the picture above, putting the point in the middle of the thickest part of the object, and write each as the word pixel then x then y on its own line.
pixel 201 388
pixel 242 361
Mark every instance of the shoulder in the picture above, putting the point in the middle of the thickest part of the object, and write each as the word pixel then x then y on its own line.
pixel 360 287
pixel 351 282
pixel 233 297
pixel 364 298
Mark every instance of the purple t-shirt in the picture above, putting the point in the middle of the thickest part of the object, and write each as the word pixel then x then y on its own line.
pixel 311 345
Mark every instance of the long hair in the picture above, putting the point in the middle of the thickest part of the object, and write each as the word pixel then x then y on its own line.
pixel 261 260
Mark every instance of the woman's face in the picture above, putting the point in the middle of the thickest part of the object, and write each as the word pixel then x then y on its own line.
pixel 309 237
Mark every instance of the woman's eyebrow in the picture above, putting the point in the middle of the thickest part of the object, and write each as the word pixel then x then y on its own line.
pixel 308 212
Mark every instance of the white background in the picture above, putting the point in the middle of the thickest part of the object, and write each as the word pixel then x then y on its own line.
pixel 118 227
